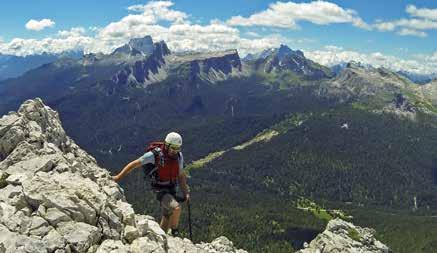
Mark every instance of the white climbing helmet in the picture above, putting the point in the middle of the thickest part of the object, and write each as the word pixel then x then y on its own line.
pixel 173 139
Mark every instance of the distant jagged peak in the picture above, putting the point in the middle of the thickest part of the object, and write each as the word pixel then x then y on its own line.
pixel 283 51
pixel 137 46
pixel 283 58
pixel 142 44
pixel 161 48
pixel 266 53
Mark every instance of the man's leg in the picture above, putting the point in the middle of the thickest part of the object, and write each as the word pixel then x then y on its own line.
pixel 171 213
pixel 174 218
pixel 165 216
pixel 164 223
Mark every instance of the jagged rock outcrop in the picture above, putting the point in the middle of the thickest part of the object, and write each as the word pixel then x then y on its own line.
pixel 55 198
pixel 341 236
pixel 400 106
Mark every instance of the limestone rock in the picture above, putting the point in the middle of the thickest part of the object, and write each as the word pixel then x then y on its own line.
pixel 79 235
pixel 131 233
pixel 342 236
pixel 145 245
pixel 111 246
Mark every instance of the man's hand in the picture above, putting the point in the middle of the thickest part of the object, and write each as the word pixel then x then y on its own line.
pixel 116 178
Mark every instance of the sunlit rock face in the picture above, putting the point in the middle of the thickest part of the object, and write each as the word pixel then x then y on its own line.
pixel 342 236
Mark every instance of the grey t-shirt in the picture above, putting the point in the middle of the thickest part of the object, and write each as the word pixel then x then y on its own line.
pixel 148 157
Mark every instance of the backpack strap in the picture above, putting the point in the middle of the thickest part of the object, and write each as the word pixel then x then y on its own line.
pixel 150 170
pixel 159 159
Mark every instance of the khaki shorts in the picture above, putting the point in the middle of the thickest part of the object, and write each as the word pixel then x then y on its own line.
pixel 168 204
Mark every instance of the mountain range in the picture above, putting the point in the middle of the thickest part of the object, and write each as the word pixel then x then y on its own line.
pixel 359 135
pixel 13 66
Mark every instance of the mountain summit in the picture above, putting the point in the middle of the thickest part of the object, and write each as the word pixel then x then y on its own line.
pixel 284 59
pixel 137 46
pixel 285 51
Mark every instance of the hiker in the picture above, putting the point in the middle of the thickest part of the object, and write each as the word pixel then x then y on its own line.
pixel 164 162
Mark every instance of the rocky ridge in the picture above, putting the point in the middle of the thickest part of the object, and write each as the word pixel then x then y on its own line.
pixel 365 81
pixel 55 198
pixel 344 237
pixel 211 67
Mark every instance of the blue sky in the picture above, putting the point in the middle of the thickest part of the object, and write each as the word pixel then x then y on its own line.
pixel 394 33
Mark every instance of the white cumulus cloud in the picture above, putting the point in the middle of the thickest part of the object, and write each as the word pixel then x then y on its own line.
pixel 419 21
pixel 75 31
pixel 160 10
pixel 180 34
pixel 23 47
pixel 412 32
pixel 36 25
pixel 334 55
pixel 422 12
pixel 288 14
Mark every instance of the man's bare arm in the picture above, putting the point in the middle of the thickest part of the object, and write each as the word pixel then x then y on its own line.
pixel 127 169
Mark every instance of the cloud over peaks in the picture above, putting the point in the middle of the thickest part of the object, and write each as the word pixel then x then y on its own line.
pixel 332 55
pixel 36 25
pixel 288 14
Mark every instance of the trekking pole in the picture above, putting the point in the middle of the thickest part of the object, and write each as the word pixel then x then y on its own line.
pixel 189 220
pixel 181 199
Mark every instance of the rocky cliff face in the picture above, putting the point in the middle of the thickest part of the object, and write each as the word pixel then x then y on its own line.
pixel 344 237
pixel 211 67
pixel 55 198
pixel 148 68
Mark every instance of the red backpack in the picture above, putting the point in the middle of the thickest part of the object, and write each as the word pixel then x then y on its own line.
pixel 164 169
